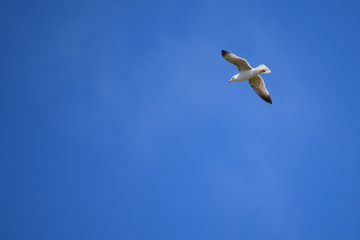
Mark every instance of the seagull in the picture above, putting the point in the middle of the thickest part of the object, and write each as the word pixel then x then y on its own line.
pixel 248 73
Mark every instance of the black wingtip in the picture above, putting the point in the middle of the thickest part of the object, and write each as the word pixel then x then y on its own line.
pixel 223 52
pixel 267 99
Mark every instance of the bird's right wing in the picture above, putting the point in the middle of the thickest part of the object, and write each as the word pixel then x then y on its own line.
pixel 239 62
pixel 258 85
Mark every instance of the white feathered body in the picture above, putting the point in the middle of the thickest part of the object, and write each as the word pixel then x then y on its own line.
pixel 246 75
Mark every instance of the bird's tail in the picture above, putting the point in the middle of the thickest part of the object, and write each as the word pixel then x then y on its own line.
pixel 263 67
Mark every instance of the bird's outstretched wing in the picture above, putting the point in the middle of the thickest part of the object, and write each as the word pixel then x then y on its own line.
pixel 239 62
pixel 258 85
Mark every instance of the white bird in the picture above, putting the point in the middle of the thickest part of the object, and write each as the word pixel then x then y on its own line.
pixel 248 73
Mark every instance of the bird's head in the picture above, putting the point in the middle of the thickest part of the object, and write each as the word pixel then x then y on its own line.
pixel 231 80
pixel 263 69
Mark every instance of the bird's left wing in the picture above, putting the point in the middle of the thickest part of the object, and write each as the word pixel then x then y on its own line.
pixel 240 63
pixel 258 85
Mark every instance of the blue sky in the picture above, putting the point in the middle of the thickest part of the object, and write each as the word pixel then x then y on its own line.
pixel 117 121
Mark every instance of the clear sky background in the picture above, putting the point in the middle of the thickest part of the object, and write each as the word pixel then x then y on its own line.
pixel 117 121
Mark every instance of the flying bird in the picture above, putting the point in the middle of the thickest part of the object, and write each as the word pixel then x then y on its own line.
pixel 246 72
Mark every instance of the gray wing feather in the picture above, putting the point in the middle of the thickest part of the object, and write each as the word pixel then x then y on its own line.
pixel 239 62
pixel 258 85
